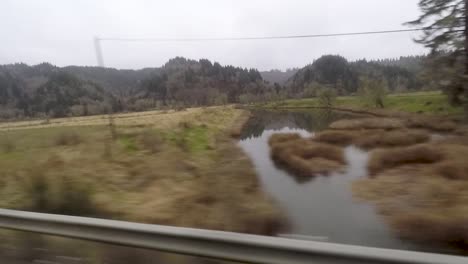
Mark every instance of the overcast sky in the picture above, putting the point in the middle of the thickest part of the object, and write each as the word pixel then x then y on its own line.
pixel 61 31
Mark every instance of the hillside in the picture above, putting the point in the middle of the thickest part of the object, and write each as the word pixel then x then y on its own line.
pixel 344 76
pixel 46 90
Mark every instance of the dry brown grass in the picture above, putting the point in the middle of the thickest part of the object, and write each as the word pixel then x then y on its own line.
pixel 368 123
pixel 304 157
pixel 283 137
pixel 382 159
pixel 394 138
pixel 373 138
pixel 425 199
pixel 430 123
pixel 341 138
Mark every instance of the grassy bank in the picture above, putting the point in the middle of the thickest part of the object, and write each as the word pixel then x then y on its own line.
pixel 416 102
pixel 176 168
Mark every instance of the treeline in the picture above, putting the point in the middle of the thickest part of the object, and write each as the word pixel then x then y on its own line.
pixel 345 77
pixel 45 90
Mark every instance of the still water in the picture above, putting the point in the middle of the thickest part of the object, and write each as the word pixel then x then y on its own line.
pixel 321 208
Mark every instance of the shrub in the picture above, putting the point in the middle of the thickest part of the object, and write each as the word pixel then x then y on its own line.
pixel 373 91
pixel 326 97
pixel 68 138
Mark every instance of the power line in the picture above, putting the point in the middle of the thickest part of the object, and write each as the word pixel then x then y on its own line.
pixel 262 38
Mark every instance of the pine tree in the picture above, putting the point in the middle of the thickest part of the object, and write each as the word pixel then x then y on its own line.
pixel 445 34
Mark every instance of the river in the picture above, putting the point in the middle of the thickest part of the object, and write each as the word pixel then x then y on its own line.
pixel 320 208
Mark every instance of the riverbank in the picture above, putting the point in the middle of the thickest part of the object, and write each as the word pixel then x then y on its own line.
pixel 177 168
pixel 434 103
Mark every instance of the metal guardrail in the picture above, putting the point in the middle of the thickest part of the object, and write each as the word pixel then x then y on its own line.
pixel 212 244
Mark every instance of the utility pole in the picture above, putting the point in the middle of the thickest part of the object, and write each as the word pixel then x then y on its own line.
pixel 98 50
pixel 465 77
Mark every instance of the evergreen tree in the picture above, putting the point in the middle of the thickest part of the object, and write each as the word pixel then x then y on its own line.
pixel 445 32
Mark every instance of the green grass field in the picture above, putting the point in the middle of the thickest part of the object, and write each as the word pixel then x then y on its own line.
pixel 415 102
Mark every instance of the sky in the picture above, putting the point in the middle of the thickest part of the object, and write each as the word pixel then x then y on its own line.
pixel 61 32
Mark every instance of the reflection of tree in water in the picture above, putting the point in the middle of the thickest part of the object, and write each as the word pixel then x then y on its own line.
pixel 310 120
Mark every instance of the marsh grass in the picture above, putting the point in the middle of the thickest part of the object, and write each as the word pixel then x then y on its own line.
pixel 422 191
pixel 304 157
pixel 431 123
pixel 279 138
pixel 368 123
pixel 381 160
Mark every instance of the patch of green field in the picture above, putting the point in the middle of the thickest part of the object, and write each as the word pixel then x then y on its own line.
pixel 415 102
pixel 193 139
pixel 128 143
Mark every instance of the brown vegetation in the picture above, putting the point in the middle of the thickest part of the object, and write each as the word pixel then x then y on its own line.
pixel 282 138
pixel 430 123
pixel 305 157
pixel 383 159
pixel 394 138
pixel 341 138
pixel 372 138
pixel 368 123
pixel 422 190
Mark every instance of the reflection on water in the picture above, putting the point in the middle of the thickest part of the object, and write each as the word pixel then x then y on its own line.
pixel 322 207
pixel 272 120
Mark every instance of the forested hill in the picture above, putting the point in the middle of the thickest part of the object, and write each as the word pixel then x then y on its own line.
pixel 47 90
pixel 344 76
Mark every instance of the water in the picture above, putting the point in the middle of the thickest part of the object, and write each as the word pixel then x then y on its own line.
pixel 320 208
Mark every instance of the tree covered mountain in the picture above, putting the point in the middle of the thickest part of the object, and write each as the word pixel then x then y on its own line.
pixel 344 77
pixel 47 90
